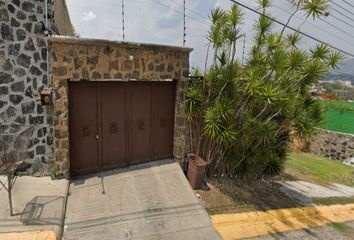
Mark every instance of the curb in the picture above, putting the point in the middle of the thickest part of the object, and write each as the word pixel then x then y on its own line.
pixel 34 235
pixel 253 224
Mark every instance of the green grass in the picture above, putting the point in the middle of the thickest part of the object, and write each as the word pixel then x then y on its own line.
pixel 341 227
pixel 339 104
pixel 333 200
pixel 338 120
pixel 318 169
pixel 274 235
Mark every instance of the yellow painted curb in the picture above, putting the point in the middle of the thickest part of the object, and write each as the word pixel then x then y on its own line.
pixel 252 224
pixel 35 235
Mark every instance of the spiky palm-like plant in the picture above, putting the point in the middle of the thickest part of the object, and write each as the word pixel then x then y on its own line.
pixel 241 117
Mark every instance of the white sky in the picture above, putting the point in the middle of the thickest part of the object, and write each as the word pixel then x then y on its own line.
pixel 161 21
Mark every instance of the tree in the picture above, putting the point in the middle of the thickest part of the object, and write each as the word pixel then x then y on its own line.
pixel 241 117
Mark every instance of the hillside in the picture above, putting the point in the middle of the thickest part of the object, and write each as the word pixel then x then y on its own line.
pixel 339 76
pixel 345 72
pixel 347 67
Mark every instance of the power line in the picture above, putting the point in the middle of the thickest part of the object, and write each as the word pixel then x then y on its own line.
pixel 338 28
pixel 333 25
pixel 124 5
pixel 340 12
pixel 191 10
pixel 324 30
pixel 179 12
pixel 291 28
pixel 336 4
pixel 348 3
pixel 184 15
pixel 341 20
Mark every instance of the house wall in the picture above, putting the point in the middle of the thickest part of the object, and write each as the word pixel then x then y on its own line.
pixel 74 59
pixel 23 74
pixel 334 145
pixel 61 18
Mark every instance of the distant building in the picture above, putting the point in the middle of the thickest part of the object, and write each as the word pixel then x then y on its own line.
pixel 345 83
pixel 317 88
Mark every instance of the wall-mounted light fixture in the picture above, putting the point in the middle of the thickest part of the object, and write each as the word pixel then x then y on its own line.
pixel 47 96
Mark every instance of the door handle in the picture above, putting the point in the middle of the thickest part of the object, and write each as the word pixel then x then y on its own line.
pixel 85 131
pixel 97 136
pixel 141 125
pixel 162 122
pixel 113 128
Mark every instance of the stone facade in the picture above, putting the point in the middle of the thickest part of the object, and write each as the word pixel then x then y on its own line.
pixel 23 74
pixel 74 59
pixel 334 145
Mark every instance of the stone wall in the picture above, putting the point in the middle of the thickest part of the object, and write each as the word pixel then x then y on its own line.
pixel 23 75
pixel 334 145
pixel 74 59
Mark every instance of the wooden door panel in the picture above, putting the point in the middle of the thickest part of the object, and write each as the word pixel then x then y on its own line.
pixel 163 97
pixel 140 120
pixel 113 125
pixel 83 129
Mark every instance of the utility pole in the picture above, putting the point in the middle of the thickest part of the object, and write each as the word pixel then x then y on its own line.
pixel 123 28
pixel 243 50
pixel 184 23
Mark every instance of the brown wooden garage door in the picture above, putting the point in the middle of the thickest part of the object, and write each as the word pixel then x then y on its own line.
pixel 118 124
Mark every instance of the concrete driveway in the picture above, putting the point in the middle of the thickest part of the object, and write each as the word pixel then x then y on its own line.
pixel 149 201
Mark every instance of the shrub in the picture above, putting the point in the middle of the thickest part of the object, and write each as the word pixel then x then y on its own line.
pixel 241 116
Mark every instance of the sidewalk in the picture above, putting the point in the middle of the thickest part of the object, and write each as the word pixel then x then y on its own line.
pixel 44 203
pixel 312 190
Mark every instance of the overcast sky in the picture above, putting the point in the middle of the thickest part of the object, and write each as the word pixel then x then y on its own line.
pixel 161 21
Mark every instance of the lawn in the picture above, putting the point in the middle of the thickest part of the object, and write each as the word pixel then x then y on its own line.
pixel 339 120
pixel 329 104
pixel 319 170
pixel 228 195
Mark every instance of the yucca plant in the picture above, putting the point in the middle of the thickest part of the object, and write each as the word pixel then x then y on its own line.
pixel 242 116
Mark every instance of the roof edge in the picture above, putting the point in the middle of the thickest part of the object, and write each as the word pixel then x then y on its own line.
pixel 76 40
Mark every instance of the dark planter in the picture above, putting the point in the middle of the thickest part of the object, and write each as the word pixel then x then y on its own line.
pixel 196 171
